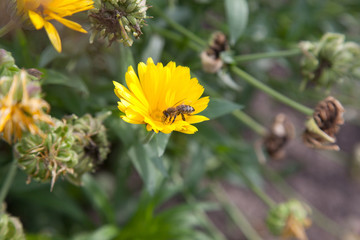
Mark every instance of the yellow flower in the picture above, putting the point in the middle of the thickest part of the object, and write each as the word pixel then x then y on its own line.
pixel 159 89
pixel 41 12
pixel 18 115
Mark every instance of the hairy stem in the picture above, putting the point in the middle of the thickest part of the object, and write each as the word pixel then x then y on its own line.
pixel 178 27
pixel 278 96
pixel 7 28
pixel 276 54
pixel 8 180
pixel 235 214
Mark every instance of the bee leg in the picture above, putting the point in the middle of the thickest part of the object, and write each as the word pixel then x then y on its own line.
pixel 182 116
pixel 174 118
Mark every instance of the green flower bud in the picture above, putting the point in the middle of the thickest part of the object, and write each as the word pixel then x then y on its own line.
pixel 10 227
pixel 49 155
pixel 91 143
pixel 7 64
pixel 279 216
pixel 114 18
pixel 330 60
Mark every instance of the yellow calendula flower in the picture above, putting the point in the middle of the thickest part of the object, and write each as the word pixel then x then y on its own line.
pixel 165 98
pixel 41 12
pixel 19 111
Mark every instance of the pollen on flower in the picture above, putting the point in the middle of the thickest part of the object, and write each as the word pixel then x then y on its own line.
pixel 164 98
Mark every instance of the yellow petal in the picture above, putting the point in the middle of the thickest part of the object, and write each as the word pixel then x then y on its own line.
pixel 53 36
pixel 196 119
pixel 70 24
pixel 36 19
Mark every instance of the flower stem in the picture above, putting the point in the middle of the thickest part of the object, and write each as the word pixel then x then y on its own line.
pixel 8 180
pixel 262 195
pixel 174 36
pixel 278 96
pixel 276 54
pixel 240 115
pixel 7 28
pixel 148 137
pixel 178 27
pixel 251 123
pixel 235 214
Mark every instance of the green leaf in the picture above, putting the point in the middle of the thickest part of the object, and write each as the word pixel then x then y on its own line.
pixel 54 77
pixel 143 160
pixel 160 142
pixel 219 107
pixel 106 232
pixel 237 12
pixel 98 197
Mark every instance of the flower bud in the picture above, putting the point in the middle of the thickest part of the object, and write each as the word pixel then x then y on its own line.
pixel 289 219
pixel 330 60
pixel 7 64
pixel 10 227
pixel 117 20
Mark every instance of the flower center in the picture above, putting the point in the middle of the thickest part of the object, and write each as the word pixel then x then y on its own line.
pixel 157 115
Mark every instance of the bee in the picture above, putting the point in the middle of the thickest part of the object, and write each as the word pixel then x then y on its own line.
pixel 173 112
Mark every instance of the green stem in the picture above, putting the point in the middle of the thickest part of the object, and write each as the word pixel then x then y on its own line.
pixel 7 28
pixel 277 54
pixel 148 137
pixel 8 180
pixel 319 218
pixel 178 27
pixel 278 96
pixel 251 123
pixel 175 37
pixel 206 222
pixel 262 195
pixel 235 214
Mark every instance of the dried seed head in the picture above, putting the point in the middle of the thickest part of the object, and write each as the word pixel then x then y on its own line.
pixel 281 131
pixel 210 58
pixel 329 60
pixel 91 143
pixel 321 129
pixel 289 219
pixel 118 20
pixel 48 156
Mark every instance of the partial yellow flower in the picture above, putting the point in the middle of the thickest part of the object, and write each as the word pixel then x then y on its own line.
pixel 166 98
pixel 19 111
pixel 41 12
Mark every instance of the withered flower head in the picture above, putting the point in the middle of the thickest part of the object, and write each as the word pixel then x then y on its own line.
pixel 281 131
pixel 50 155
pixel 325 123
pixel 117 19
pixel 21 107
pixel 210 58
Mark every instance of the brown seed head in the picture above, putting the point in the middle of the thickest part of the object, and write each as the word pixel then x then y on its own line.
pixel 281 131
pixel 210 58
pixel 321 130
